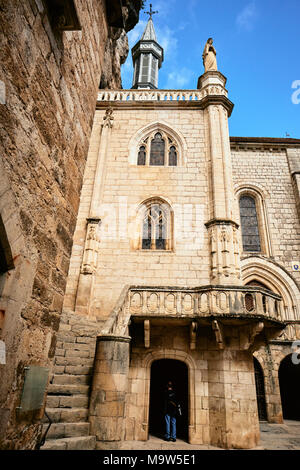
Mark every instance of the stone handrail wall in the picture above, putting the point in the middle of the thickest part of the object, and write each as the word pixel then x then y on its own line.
pixel 205 301
pixel 160 95
pixel 190 302
pixel 117 322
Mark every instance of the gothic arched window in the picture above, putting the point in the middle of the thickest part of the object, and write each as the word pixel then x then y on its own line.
pixel 249 224
pixel 155 226
pixel 158 149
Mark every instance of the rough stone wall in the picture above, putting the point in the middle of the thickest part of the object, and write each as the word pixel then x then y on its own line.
pixel 184 187
pixel 269 172
pixel 50 80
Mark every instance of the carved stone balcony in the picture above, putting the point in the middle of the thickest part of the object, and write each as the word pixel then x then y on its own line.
pixel 255 312
pixel 202 302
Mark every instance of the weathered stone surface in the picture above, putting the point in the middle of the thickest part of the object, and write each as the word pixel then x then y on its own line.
pixel 51 80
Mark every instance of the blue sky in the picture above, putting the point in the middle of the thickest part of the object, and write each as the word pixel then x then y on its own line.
pixel 258 50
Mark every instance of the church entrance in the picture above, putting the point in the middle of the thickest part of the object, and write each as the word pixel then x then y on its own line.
pixel 162 371
pixel 260 391
pixel 289 382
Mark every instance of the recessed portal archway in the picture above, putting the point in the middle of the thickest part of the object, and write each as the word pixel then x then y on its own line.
pixel 289 382
pixel 260 390
pixel 162 371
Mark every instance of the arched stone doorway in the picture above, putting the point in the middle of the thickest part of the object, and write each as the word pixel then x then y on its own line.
pixel 289 382
pixel 260 391
pixel 163 370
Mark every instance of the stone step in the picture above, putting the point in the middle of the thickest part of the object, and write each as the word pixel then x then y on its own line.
pixel 62 430
pixel 71 443
pixel 68 379
pixel 76 401
pixel 66 415
pixel 72 370
pixel 68 389
pixel 74 361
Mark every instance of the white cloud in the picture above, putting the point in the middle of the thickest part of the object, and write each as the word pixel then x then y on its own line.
pixel 135 34
pixel 178 79
pixel 168 41
pixel 246 18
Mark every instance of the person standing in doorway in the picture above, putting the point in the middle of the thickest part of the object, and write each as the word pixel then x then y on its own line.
pixel 170 410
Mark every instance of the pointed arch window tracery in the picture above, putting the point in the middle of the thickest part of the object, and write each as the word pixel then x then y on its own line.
pixel 158 149
pixel 155 226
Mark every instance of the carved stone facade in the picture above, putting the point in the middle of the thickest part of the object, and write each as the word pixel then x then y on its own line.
pixel 200 301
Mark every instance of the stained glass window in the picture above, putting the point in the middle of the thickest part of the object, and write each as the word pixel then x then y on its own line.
pixel 142 156
pixel 172 156
pixel 158 149
pixel 154 229
pixel 249 224
pixel 157 152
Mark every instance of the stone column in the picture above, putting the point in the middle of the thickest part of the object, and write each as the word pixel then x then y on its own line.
pixel 221 226
pixel 233 415
pixel 91 248
pixel 107 405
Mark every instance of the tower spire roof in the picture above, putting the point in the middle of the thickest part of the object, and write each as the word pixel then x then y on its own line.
pixel 149 33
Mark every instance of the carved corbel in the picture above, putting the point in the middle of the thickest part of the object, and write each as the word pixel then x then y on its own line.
pixel 247 337
pixel 218 334
pixel 147 333
pixel 193 335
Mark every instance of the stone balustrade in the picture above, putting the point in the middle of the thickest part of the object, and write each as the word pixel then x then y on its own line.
pixel 199 302
pixel 160 95
pixel 204 301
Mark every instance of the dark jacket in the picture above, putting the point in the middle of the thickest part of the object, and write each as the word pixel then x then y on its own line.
pixel 170 407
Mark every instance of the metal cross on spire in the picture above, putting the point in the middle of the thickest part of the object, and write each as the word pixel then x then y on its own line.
pixel 151 12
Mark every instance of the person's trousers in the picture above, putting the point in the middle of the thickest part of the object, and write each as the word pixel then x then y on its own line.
pixel 170 426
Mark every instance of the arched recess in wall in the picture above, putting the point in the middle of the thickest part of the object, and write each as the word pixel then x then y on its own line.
pixel 289 379
pixel 276 279
pixel 189 361
pixel 163 371
pixel 260 390
pixel 172 136
pixel 153 226
pixel 253 218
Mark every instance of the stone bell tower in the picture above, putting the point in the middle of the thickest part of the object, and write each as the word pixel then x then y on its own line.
pixel 147 56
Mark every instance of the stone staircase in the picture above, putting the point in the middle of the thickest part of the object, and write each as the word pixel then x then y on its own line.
pixel 68 393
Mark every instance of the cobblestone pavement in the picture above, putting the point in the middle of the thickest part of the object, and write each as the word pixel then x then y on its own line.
pixel 272 437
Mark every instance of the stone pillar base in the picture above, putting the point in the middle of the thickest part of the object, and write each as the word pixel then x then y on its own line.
pixel 107 406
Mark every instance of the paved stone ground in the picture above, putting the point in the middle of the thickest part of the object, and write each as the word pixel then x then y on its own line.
pixel 273 437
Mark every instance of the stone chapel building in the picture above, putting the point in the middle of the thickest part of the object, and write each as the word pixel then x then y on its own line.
pixel 183 267
pixel 184 245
